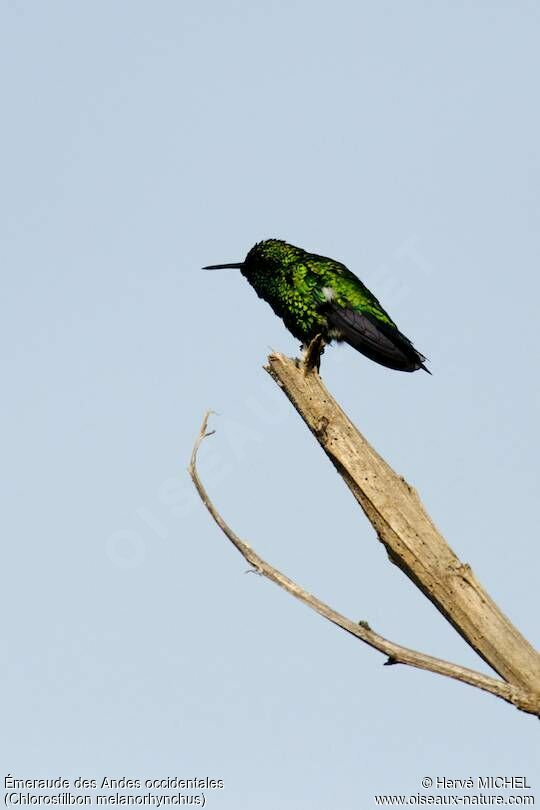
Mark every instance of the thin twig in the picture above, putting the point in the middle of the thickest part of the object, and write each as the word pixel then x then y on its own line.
pixel 397 654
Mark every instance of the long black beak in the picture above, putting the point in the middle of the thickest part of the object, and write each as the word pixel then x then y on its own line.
pixel 234 266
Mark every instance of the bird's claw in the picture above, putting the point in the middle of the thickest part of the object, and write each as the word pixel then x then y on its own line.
pixel 312 355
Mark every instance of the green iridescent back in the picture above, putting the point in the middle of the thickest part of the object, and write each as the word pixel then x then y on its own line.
pixel 298 285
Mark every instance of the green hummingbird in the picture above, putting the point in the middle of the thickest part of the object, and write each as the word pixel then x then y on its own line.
pixel 318 296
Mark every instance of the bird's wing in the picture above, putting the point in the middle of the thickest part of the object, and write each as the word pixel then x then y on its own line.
pixel 379 341
pixel 347 289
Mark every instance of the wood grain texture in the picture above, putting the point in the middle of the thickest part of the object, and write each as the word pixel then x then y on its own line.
pixel 406 530
pixel 518 696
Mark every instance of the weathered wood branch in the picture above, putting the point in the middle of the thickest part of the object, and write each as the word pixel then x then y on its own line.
pixel 406 530
pixel 518 696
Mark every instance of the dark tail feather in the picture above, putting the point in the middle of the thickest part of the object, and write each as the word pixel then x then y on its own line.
pixel 379 341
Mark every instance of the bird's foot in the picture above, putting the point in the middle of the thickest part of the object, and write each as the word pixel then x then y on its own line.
pixel 311 358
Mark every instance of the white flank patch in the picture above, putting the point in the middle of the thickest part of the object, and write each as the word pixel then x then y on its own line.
pixel 328 293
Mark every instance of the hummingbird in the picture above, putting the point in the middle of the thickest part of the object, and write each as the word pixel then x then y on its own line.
pixel 318 297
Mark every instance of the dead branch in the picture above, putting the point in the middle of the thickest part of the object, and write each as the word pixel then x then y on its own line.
pixel 406 530
pixel 520 697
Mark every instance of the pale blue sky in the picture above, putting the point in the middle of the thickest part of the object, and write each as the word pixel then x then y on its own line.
pixel 141 141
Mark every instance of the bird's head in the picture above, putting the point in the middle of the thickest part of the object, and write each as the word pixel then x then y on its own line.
pixel 269 256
